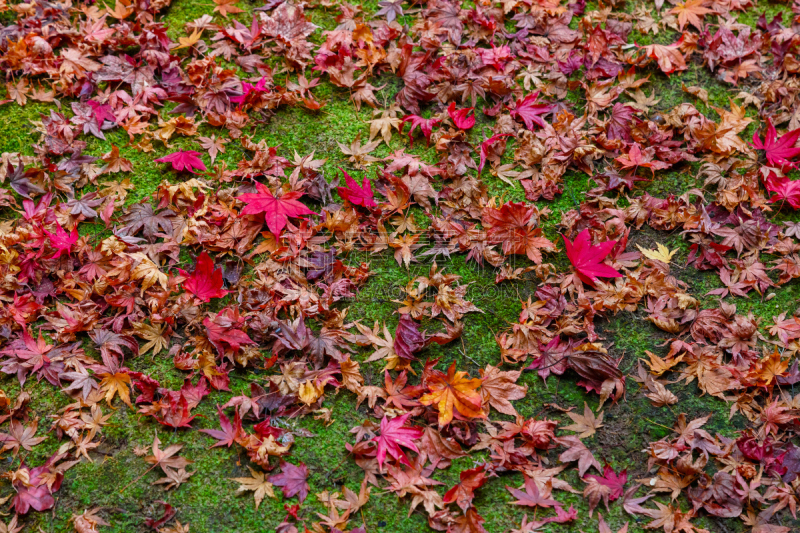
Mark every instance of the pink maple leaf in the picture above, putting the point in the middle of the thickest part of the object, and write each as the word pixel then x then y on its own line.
pixel 357 194
pixel 185 160
pixel 393 435
pixel 785 189
pixel 425 125
pixel 612 480
pixel 292 480
pixel 781 151
pixel 460 118
pixel 62 241
pixel 530 112
pixel 276 210
pixel 588 259
pixel 206 281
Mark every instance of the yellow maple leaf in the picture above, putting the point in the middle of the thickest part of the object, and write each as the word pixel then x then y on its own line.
pixel 116 384
pixel 663 253
pixel 186 42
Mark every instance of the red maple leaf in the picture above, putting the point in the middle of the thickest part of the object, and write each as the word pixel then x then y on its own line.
pixel 276 210
pixel 460 118
pixel 292 480
pixel 485 145
pixel 393 435
pixel 787 190
pixel 357 194
pixel 425 125
pixel 531 496
pixel 530 112
pixel 62 241
pixel 224 333
pixel 184 160
pixel 463 493
pixel 779 152
pixel 612 480
pixel 588 259
pixel 206 281
pixel 230 432
pixel 178 413
pixel 636 158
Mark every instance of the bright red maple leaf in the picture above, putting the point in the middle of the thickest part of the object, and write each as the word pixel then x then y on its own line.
pixel 530 112
pixel 460 118
pixel 276 210
pixel 357 194
pixel 779 151
pixel 785 189
pixel 395 434
pixel 206 281
pixel 184 160
pixel 292 480
pixel 425 125
pixel 62 241
pixel 588 259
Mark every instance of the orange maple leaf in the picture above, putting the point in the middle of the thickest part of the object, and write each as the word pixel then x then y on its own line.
pixel 454 391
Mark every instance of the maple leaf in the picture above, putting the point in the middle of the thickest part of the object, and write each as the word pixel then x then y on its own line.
pixel 425 125
pixel 690 12
pixel 669 57
pixel 577 451
pixel 115 381
pixel 452 392
pixel 607 487
pixel 257 483
pixel 395 434
pixel 602 527
pixel 205 281
pixel 167 459
pixel 224 333
pixel 663 253
pixel 62 241
pixel 391 9
pixel 530 112
pixel 532 496
pixel 187 42
pixel 463 492
pixel 778 151
pixel 785 189
pixel 148 272
pixel 225 8
pixel 487 145
pixel 277 211
pixel 20 436
pixel 587 258
pixel 407 338
pixel 585 424
pixel 460 118
pixel 214 145
pixel 357 194
pixel 292 480
pixel 635 158
pixel 231 431
pixel 184 160
pixel 498 388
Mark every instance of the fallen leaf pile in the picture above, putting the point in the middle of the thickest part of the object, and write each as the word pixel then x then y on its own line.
pixel 250 268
